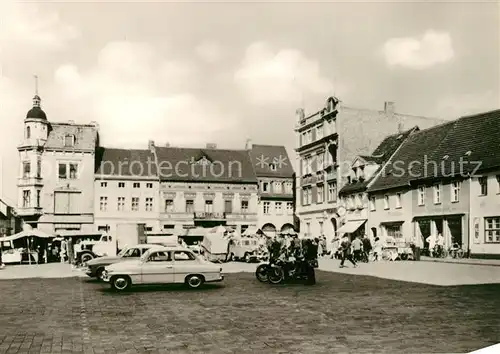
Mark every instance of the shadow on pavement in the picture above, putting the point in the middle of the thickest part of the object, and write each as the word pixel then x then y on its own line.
pixel 160 288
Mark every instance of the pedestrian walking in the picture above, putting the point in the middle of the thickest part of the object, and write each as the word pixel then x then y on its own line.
pixel 357 247
pixel 346 252
pixel 367 246
pixel 377 249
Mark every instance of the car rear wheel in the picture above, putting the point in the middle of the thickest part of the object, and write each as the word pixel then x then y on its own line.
pixel 247 258
pixel 194 281
pixel 120 283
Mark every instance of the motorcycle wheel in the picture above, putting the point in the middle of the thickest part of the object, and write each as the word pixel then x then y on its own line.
pixel 276 275
pixel 261 273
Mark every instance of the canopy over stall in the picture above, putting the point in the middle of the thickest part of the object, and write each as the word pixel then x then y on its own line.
pixel 350 227
pixel 30 233
pixel 252 230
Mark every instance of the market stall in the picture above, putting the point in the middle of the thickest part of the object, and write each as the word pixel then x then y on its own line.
pixel 29 246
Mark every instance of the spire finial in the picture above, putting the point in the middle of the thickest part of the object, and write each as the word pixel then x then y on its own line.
pixel 36 84
pixel 36 98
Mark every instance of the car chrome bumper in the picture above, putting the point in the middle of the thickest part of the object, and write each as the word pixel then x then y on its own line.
pixel 221 278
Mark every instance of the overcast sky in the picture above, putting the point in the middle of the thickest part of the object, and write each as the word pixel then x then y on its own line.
pixel 224 72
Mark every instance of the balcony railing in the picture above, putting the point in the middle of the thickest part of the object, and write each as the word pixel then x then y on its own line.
pixel 209 216
pixel 29 211
pixel 29 181
pixel 241 216
pixel 175 215
pixel 331 175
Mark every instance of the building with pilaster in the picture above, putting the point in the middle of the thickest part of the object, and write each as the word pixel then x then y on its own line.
pixel 328 141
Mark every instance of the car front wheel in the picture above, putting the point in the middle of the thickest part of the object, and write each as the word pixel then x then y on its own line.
pixel 120 283
pixel 99 273
pixel 194 281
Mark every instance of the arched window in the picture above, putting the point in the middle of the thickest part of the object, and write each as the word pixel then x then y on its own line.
pixel 28 132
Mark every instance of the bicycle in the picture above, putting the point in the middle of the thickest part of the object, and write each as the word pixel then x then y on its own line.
pixel 456 251
pixel 439 252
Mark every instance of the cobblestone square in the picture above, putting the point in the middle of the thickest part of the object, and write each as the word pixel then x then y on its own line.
pixel 342 313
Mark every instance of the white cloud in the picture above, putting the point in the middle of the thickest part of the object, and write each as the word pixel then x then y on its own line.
pixel 210 52
pixel 284 76
pixel 466 104
pixel 26 25
pixel 135 96
pixel 419 53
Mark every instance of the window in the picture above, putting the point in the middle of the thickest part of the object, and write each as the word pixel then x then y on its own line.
pixel 320 190
pixel 483 184
pixel 289 208
pixel 189 206
pixel 28 132
pixel 303 138
pixel 70 203
pixel 267 207
pixel 121 184
pixel 104 184
pixel 228 206
pixel 209 206
pixel 26 169
pixel 319 131
pixel 272 167
pixel 38 199
pixel 120 204
pixel 455 191
pixel 372 204
pixel 38 168
pixel 149 185
pixel 320 161
pixel 169 205
pixel 244 206
pixel 492 230
pixel 149 204
pixel 332 191
pixel 421 195
pixel 73 171
pixel 437 194
pixel 136 185
pixel 183 256
pixel 498 183
pixel 309 161
pixel 393 231
pixel 132 252
pixel 386 201
pixel 288 188
pixel 279 208
pixel 103 203
pixel 278 187
pixel 69 140
pixel 320 227
pixel 306 195
pixel 102 228
pixel 159 257
pixel 265 186
pixel 26 199
pixel 135 203
pixel 398 200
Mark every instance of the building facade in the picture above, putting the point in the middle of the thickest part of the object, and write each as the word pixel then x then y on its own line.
pixel 56 173
pixel 274 173
pixel 328 142
pixel 10 223
pixel 354 199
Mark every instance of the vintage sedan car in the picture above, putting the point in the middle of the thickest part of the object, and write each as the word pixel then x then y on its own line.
pixel 165 265
pixel 96 266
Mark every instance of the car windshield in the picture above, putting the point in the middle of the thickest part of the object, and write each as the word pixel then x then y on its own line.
pixel 122 252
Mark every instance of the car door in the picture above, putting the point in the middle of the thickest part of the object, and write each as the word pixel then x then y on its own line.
pixel 158 268
pixel 185 263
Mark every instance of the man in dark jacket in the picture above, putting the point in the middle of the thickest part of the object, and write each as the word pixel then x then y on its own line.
pixel 346 252
pixel 367 245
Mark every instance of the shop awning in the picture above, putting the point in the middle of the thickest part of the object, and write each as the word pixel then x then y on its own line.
pixel 33 232
pixel 351 226
pixel 77 233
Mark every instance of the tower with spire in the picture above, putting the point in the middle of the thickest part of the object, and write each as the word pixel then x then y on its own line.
pixel 30 184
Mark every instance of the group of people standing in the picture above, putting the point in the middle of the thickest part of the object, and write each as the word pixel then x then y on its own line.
pixel 436 245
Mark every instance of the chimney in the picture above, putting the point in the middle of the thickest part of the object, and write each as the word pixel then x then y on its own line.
pixel 151 145
pixel 389 108
pixel 211 146
pixel 300 114
pixel 167 145
pixel 248 144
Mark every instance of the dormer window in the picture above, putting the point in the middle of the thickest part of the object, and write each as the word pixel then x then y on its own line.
pixel 69 141
pixel 272 167
pixel 28 132
pixel 446 157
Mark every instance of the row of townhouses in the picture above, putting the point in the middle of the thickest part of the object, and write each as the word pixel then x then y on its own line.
pixel 68 183
pixel 440 180
pixel 328 141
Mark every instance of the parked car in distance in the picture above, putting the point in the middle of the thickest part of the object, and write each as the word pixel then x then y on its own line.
pixel 96 266
pixel 165 265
